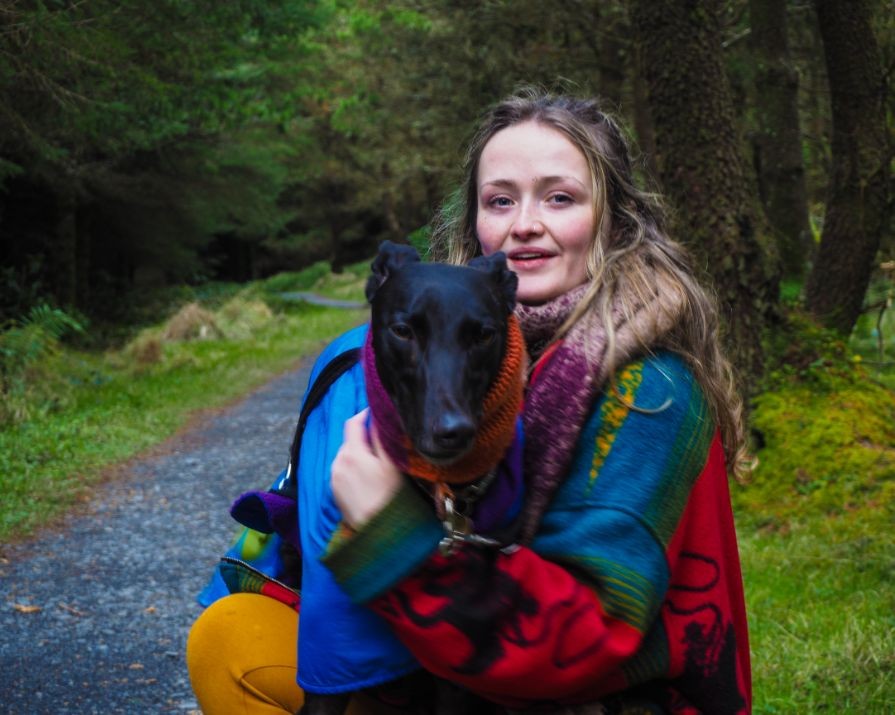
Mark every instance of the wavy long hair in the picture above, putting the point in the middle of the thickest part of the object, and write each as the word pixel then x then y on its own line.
pixel 631 254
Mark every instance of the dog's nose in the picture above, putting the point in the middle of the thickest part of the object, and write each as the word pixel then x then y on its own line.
pixel 453 432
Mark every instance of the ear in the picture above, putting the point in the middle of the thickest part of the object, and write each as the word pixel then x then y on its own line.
pixel 391 256
pixel 505 280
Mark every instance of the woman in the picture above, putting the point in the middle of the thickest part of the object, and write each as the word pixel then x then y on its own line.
pixel 624 592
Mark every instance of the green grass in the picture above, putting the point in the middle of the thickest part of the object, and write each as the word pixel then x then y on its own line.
pixel 821 604
pixel 319 279
pixel 816 522
pixel 83 412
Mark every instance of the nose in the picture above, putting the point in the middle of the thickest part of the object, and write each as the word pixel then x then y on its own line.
pixel 453 433
pixel 527 224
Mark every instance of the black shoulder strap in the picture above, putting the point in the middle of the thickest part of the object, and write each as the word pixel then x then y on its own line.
pixel 340 364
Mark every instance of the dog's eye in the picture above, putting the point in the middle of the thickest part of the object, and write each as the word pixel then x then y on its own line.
pixel 486 335
pixel 402 331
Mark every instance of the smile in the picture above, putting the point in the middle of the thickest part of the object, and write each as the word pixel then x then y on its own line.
pixel 528 254
pixel 529 259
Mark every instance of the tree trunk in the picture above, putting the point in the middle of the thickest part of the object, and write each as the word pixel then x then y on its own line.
pixel 63 257
pixel 84 225
pixel 612 58
pixel 643 122
pixel 702 171
pixel 859 205
pixel 779 140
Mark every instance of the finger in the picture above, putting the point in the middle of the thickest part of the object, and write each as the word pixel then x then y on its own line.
pixel 355 428
pixel 375 443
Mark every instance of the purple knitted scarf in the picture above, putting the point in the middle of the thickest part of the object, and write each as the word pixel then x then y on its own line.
pixel 567 377
pixel 496 431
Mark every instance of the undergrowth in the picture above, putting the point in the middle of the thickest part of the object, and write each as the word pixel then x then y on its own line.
pixel 816 520
pixel 68 412
pixel 825 428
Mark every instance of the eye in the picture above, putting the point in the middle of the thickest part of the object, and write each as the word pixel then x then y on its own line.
pixel 402 331
pixel 500 202
pixel 560 199
pixel 486 335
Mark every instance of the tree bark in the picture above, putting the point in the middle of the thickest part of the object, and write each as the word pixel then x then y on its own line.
pixel 612 57
pixel 643 122
pixel 703 173
pixel 778 143
pixel 859 196
pixel 63 258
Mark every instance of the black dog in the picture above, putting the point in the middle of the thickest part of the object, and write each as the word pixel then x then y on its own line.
pixel 439 339
pixel 439 336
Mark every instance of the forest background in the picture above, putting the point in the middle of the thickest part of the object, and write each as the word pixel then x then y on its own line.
pixel 169 170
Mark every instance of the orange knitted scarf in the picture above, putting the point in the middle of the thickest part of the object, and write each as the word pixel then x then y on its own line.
pixel 495 433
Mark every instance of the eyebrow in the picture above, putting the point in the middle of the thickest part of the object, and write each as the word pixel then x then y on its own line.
pixel 507 183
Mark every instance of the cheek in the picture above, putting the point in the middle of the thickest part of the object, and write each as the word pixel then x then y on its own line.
pixel 489 235
pixel 579 235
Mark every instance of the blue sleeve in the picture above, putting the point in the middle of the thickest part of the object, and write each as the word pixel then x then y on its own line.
pixel 342 646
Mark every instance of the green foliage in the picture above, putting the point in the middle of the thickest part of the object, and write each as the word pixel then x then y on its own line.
pixel 113 77
pixel 825 430
pixel 153 127
pixel 119 402
pixel 296 281
pixel 27 348
pixel 33 336
pixel 319 279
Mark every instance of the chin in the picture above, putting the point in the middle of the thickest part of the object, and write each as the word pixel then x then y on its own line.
pixel 536 295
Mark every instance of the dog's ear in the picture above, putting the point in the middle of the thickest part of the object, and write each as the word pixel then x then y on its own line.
pixel 390 256
pixel 507 281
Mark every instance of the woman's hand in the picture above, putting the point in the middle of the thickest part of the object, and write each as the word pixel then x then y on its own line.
pixel 364 479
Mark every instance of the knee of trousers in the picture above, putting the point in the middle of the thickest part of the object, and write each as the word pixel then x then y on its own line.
pixel 241 635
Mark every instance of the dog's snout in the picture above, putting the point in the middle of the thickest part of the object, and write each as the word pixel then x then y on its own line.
pixel 453 432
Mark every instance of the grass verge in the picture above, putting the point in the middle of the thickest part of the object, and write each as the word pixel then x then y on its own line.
pixel 90 410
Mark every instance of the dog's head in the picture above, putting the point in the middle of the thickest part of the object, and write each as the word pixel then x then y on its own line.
pixel 439 337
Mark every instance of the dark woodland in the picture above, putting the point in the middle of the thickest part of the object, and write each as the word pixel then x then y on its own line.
pixel 149 144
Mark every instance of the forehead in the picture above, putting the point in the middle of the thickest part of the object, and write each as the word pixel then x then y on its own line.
pixel 421 286
pixel 531 148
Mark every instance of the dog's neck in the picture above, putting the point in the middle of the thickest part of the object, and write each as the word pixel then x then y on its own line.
pixel 495 433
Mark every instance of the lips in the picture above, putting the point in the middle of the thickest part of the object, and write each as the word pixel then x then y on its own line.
pixel 529 257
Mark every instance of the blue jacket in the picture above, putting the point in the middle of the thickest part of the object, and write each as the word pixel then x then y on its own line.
pixel 341 646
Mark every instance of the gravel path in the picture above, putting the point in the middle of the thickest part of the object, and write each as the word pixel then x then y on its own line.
pixel 94 616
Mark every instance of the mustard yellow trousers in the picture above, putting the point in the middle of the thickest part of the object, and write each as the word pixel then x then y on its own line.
pixel 242 658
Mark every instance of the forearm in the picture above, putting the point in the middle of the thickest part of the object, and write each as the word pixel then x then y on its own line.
pixel 511 626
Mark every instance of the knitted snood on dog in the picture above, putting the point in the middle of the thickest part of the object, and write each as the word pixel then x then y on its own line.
pixel 569 374
pixel 495 432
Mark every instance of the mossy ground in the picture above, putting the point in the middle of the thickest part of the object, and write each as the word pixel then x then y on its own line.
pixel 816 520
pixel 824 428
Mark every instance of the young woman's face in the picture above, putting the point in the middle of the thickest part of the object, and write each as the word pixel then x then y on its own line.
pixel 536 204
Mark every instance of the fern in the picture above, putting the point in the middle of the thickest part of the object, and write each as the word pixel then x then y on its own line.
pixel 22 346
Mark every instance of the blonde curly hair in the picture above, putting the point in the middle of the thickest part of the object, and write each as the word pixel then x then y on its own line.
pixel 631 252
